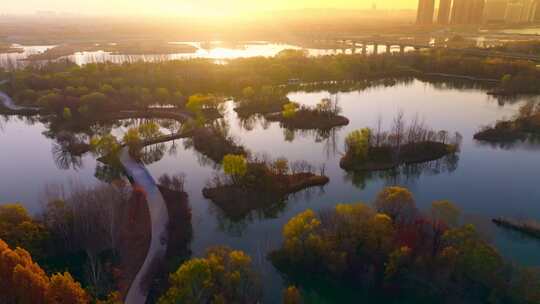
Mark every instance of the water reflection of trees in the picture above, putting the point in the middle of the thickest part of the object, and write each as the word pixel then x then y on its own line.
pixel 446 83
pixel 405 174
pixel 334 87
pixel 236 226
pixel 530 143
pixel 66 159
pixel 71 139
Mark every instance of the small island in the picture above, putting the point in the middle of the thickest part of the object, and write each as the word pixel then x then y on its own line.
pixel 257 184
pixel 526 122
pixel 214 142
pixel 325 115
pixel 121 48
pixel 265 100
pixel 375 150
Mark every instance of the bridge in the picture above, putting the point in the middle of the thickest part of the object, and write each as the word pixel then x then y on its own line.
pixel 404 44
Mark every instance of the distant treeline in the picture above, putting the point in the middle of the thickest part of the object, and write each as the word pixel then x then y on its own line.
pixel 138 85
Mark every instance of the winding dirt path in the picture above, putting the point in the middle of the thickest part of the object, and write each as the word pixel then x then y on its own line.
pixel 159 218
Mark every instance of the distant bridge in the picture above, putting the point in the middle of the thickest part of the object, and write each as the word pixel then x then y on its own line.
pixel 417 44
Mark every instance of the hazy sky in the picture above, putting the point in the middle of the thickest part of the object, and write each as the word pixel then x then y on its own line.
pixel 182 7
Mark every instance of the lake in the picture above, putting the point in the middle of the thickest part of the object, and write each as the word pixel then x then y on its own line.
pixel 216 50
pixel 486 181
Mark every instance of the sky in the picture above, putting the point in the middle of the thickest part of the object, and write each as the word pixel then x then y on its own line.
pixel 191 7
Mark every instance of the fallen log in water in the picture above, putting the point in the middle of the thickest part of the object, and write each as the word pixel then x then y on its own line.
pixel 530 227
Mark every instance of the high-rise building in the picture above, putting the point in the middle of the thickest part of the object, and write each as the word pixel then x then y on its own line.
pixel 477 11
pixel 495 11
pixel 459 12
pixel 514 11
pixel 528 14
pixel 468 11
pixel 445 6
pixel 426 9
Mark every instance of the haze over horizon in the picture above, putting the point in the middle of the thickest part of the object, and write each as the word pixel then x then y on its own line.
pixel 193 7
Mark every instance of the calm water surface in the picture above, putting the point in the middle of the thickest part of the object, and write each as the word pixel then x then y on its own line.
pixel 486 181
pixel 216 50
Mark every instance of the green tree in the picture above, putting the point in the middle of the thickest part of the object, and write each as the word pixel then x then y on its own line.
pixel 18 229
pixel 105 145
pixel 66 114
pixel 301 239
pixel 281 166
pixel 474 259
pixel 357 144
pixel 178 99
pixel 132 138
pixel 95 101
pixel 289 110
pixel 222 276
pixel 162 96
pixel 149 130
pixel 52 101
pixel 235 166
pixel 506 81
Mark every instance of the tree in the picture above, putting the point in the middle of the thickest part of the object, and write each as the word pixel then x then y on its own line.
pixel 162 96
pixel 235 166
pixel 398 203
pixel 95 101
pixel 280 166
pixel 222 276
pixel 18 229
pixel 301 239
pixel 66 114
pixel 291 295
pixel 52 101
pixel 199 102
pixel 23 281
pixel 63 289
pixel 357 144
pixel 105 145
pixel 506 81
pixel 149 130
pixel 397 264
pixel 108 90
pixel 132 139
pixel 178 99
pixel 446 212
pixel 398 128
pixel 474 259
pixel 289 110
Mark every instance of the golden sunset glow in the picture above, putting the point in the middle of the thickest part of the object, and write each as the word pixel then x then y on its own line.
pixel 202 7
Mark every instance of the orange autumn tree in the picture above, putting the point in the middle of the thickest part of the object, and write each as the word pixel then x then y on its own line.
pixel 23 281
